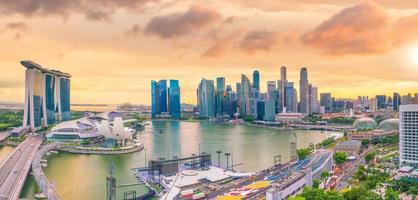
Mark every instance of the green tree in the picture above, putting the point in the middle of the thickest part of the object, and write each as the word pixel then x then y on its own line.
pixel 391 194
pixel 296 198
pixel 316 183
pixel 361 193
pixel 340 158
pixel 369 157
pixel 249 118
pixel 365 143
pixel 303 153
pixel 324 175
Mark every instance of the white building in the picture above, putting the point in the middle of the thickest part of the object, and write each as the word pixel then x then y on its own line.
pixel 408 135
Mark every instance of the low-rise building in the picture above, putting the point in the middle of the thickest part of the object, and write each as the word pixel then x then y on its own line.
pixel 351 147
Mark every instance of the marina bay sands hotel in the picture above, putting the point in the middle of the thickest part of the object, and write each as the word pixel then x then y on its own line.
pixel 47 96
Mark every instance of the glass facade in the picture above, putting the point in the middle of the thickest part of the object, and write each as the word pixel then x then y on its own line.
pixel 50 98
pixel 65 98
pixel 162 84
pixel 174 99
pixel 38 98
pixel 206 98
pixel 155 108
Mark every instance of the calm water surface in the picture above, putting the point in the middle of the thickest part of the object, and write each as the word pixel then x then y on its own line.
pixel 84 176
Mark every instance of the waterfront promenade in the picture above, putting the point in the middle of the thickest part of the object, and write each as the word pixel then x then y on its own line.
pixel 15 167
pixel 100 150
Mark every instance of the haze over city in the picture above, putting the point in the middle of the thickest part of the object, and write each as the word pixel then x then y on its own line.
pixel 113 49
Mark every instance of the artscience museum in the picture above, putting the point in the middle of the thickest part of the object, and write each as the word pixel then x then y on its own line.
pixel 106 128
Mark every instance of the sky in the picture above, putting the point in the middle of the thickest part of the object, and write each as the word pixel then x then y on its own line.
pixel 114 48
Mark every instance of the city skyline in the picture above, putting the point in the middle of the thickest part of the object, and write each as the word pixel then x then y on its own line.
pixel 113 59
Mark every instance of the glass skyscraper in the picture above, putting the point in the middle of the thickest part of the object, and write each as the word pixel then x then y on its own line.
pixel 165 100
pixel 47 95
pixel 174 99
pixel 162 84
pixel 220 95
pixel 206 98
pixel 155 107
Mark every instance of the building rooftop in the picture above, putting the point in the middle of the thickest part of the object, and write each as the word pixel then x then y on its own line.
pixel 32 65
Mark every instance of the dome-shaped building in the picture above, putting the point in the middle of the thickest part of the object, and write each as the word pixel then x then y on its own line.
pixel 389 125
pixel 365 124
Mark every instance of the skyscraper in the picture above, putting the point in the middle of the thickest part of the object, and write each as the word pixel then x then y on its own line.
pixel 206 98
pixel 396 101
pixel 174 99
pixel 47 95
pixel 256 80
pixel 220 94
pixel 165 100
pixel 291 98
pixel 282 89
pixel 245 95
pixel 155 104
pixel 269 107
pixel 314 100
pixel 326 102
pixel 162 84
pixel 304 91
pixel 381 101
pixel 408 135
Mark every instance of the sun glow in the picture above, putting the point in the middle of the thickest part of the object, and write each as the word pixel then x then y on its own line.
pixel 413 55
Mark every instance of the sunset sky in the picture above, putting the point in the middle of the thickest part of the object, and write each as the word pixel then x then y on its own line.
pixel 114 48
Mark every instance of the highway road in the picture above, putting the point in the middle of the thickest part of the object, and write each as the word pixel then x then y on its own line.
pixel 349 173
pixel 15 167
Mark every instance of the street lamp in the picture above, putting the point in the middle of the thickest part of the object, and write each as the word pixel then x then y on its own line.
pixel 219 157
pixel 227 160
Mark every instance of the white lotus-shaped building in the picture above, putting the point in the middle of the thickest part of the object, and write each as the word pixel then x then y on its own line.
pixel 116 131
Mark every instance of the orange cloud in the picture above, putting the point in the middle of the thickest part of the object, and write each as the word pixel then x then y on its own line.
pixel 258 40
pixel 92 9
pixel 355 30
pixel 177 24
pixel 361 29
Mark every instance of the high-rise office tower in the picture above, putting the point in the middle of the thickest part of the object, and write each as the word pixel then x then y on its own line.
pixel 155 104
pixel 238 91
pixel 220 95
pixel 291 98
pixel 282 89
pixel 304 91
pixel 256 80
pixel 206 98
pixel 381 101
pixel 406 99
pixel 326 102
pixel 396 101
pixel 47 96
pixel 269 107
pixel 162 84
pixel 408 135
pixel 174 99
pixel 314 100
pixel 245 96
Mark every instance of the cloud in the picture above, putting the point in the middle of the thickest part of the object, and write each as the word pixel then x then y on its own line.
pixel 18 28
pixel 223 45
pixel 134 31
pixel 258 40
pixel 91 9
pixel 178 24
pixel 361 29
